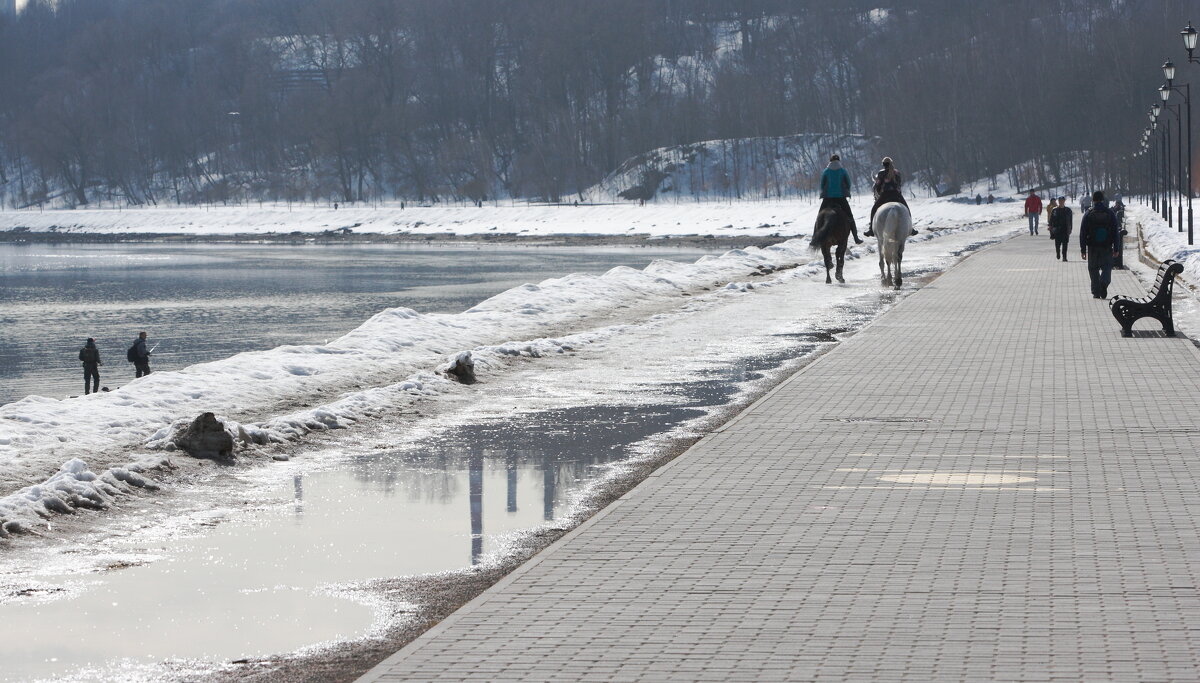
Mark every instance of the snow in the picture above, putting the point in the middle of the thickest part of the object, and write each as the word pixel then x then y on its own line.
pixel 74 486
pixel 394 357
pixel 672 216
pixel 1165 242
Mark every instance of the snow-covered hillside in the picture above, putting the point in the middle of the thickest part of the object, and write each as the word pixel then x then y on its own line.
pixel 744 168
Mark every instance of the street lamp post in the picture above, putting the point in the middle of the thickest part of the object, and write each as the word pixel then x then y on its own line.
pixel 1178 180
pixel 1189 42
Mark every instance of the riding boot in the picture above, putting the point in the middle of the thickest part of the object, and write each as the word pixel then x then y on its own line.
pixel 854 230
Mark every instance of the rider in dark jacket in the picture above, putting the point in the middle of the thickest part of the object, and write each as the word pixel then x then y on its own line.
pixel 89 355
pixel 887 189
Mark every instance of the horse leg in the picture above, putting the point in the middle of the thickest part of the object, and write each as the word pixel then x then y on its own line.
pixel 841 261
pixel 883 276
pixel 899 257
pixel 828 262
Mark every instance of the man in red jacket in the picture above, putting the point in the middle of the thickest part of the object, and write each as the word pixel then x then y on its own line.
pixel 1033 211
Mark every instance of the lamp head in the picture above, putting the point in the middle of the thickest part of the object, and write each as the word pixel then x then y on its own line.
pixel 1168 68
pixel 1189 38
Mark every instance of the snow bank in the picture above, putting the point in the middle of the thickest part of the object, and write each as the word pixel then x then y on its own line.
pixel 74 486
pixel 1165 242
pixel 397 351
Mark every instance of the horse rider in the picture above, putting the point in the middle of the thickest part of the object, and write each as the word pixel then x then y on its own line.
pixel 835 191
pixel 887 189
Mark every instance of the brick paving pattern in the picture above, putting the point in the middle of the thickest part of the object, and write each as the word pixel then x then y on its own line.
pixel 986 484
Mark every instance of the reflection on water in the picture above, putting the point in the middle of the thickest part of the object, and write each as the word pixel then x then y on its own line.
pixel 203 302
pixel 255 584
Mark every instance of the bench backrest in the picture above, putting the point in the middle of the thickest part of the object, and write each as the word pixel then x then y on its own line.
pixel 1165 282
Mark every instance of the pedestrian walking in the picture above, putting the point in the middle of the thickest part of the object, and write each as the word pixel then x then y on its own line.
pixel 1118 209
pixel 89 355
pixel 1099 239
pixel 835 191
pixel 1033 211
pixel 1060 228
pixel 1085 203
pixel 991 198
pixel 978 199
pixel 139 355
pixel 887 189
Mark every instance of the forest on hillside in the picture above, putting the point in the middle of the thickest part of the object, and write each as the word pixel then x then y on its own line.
pixel 149 101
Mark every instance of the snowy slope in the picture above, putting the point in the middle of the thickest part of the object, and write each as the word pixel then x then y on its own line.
pixel 743 168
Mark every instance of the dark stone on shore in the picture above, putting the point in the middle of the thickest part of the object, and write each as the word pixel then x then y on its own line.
pixel 461 368
pixel 206 437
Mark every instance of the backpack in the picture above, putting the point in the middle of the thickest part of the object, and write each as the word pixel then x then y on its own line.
pixel 131 355
pixel 1100 232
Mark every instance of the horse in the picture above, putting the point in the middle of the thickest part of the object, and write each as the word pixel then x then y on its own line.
pixel 832 228
pixel 892 226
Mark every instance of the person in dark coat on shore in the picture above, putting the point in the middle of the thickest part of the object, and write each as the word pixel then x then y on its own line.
pixel 835 191
pixel 141 356
pixel 89 355
pixel 1060 228
pixel 1099 239
pixel 887 189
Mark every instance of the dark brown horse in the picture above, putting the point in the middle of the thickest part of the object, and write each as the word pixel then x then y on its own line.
pixel 832 228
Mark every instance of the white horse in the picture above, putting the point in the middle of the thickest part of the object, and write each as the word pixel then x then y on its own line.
pixel 892 226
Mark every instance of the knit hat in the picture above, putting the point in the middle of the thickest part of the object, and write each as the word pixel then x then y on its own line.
pixel 1097 196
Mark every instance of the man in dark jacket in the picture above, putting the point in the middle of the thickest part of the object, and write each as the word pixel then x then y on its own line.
pixel 1060 228
pixel 1099 239
pixel 89 355
pixel 835 191
pixel 141 356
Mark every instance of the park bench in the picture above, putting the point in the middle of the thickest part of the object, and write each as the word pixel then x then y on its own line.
pixel 1128 310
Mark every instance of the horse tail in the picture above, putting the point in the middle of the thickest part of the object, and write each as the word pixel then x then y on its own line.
pixel 822 229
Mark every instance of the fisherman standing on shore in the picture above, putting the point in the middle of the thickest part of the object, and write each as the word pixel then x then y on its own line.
pixel 89 355
pixel 139 355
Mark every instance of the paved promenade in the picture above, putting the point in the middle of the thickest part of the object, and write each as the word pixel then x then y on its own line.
pixel 987 483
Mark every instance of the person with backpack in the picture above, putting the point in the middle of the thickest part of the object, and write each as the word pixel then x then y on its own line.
pixel 89 355
pixel 1033 211
pixel 1099 239
pixel 835 191
pixel 887 189
pixel 1060 228
pixel 139 355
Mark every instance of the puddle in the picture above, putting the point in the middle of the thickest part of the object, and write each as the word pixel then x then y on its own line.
pixel 258 583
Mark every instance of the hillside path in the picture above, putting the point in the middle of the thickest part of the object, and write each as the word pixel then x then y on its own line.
pixel 987 483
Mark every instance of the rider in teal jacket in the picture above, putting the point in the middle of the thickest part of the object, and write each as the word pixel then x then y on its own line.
pixel 835 191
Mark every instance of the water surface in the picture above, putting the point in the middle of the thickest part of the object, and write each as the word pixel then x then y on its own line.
pixel 202 302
